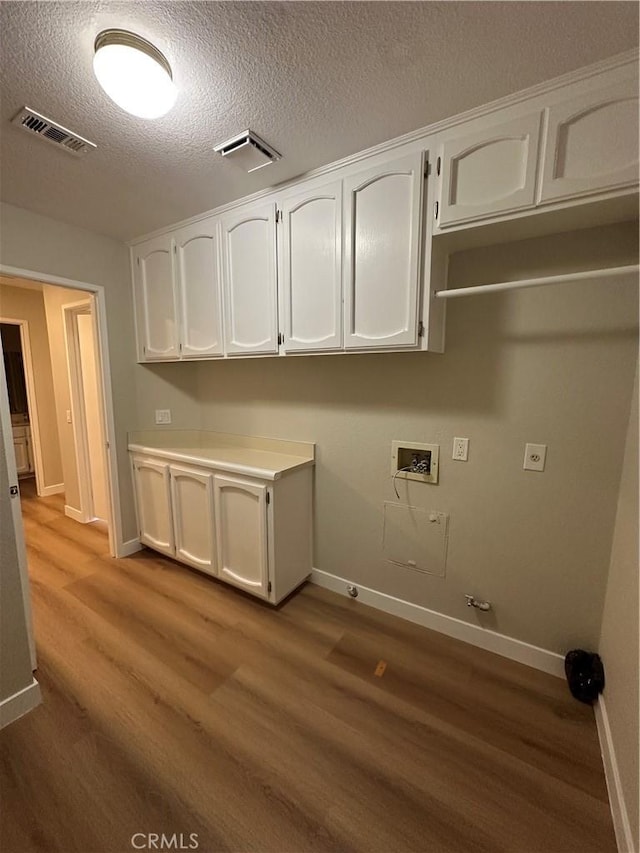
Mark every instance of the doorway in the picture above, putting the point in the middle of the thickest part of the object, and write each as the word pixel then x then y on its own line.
pixel 23 409
pixel 56 395
pixel 86 409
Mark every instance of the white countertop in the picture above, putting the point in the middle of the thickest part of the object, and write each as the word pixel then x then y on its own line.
pixel 264 458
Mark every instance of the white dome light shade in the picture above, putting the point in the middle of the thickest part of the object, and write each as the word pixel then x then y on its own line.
pixel 134 74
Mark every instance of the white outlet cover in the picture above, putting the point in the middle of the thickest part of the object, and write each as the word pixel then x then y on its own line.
pixel 163 416
pixel 460 449
pixel 535 456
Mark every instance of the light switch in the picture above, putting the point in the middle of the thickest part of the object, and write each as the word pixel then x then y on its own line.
pixel 163 416
pixel 68 416
pixel 535 456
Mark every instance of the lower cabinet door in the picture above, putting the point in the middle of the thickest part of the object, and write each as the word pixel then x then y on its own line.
pixel 21 450
pixel 153 502
pixel 193 522
pixel 241 533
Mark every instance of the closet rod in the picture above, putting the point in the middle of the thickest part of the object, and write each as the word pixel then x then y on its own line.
pixel 536 282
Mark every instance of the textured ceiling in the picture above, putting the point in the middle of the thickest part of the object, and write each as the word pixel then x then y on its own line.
pixel 318 80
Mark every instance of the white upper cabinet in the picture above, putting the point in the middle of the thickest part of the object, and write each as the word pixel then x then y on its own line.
pixel 382 220
pixel 155 298
pixel 489 172
pixel 249 276
pixel 241 533
pixel 592 143
pixel 198 280
pixel 311 269
pixel 346 261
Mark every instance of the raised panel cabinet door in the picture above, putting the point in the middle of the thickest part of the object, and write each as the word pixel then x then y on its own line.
pixel 250 280
pixel 241 533
pixel 156 313
pixel 153 504
pixel 198 273
pixel 382 232
pixel 312 269
pixel 490 172
pixel 193 521
pixel 592 143
pixel 21 450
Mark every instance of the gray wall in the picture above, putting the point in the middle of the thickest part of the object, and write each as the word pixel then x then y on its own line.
pixel 552 366
pixel 619 640
pixel 40 244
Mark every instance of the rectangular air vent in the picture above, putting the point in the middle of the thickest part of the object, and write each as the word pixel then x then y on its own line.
pixel 248 151
pixel 50 131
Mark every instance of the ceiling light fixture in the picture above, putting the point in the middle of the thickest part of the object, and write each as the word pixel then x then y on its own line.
pixel 133 73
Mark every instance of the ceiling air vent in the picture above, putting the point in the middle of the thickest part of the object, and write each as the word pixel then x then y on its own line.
pixel 50 131
pixel 248 151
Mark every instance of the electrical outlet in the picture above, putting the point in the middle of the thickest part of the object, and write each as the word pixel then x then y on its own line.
pixel 535 456
pixel 460 449
pixel 163 416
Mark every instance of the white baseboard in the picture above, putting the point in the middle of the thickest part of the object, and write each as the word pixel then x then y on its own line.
pixel 621 825
pixel 76 515
pixel 20 703
pixel 46 491
pixel 125 549
pixel 484 638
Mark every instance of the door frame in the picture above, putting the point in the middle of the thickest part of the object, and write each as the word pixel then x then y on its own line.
pixel 70 313
pixel 117 546
pixel 32 405
pixel 16 509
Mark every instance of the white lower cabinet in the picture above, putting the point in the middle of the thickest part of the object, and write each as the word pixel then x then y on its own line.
pixel 253 533
pixel 22 450
pixel 192 504
pixel 153 504
pixel 241 531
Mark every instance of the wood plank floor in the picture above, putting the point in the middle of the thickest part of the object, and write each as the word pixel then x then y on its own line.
pixel 174 704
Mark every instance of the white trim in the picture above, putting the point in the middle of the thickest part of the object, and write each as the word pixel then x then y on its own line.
pixel 57 489
pixel 581 74
pixel 483 638
pixel 129 547
pixel 70 312
pixel 16 706
pixel 77 515
pixel 114 523
pixel 621 825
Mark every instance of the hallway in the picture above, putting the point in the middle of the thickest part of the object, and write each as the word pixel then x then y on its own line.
pixel 174 704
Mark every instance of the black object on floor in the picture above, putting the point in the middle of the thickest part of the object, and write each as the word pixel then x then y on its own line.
pixel 585 675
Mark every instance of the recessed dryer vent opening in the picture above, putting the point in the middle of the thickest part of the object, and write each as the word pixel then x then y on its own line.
pixel 248 151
